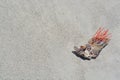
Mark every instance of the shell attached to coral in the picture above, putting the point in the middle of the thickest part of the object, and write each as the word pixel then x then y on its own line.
pixel 94 46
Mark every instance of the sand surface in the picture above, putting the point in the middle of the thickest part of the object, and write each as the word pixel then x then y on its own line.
pixel 37 39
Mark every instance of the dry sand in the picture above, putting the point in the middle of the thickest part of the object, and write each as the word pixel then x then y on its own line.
pixel 37 39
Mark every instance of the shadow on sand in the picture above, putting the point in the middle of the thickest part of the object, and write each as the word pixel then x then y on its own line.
pixel 83 58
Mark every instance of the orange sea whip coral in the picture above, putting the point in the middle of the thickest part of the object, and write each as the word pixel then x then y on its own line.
pixel 102 35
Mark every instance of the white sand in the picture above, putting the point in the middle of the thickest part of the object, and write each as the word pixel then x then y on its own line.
pixel 37 39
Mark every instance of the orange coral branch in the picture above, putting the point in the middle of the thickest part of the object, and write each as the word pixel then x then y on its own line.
pixel 102 35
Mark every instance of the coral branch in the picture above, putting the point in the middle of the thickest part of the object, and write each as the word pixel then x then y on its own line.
pixel 102 35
